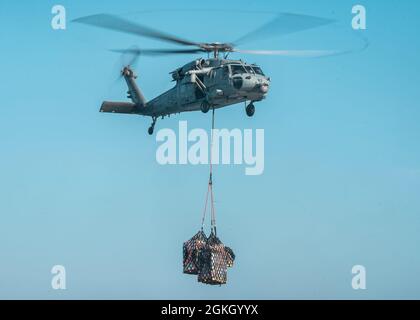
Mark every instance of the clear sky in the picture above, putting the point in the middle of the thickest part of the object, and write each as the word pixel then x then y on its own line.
pixel 83 189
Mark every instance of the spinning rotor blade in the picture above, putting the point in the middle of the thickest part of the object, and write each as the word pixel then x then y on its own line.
pixel 157 52
pixel 293 53
pixel 284 24
pixel 129 57
pixel 116 23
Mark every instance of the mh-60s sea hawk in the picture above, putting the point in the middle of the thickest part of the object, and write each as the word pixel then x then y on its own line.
pixel 203 84
pixel 200 85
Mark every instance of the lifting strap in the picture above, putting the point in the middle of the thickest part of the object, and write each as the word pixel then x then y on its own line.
pixel 210 186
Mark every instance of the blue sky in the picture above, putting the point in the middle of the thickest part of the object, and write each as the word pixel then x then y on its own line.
pixel 83 189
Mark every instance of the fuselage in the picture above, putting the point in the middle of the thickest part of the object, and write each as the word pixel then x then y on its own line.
pixel 219 82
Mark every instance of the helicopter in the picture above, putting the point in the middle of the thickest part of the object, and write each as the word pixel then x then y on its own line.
pixel 202 84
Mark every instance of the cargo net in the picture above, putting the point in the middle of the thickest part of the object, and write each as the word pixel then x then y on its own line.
pixel 191 250
pixel 208 258
pixel 204 256
pixel 213 261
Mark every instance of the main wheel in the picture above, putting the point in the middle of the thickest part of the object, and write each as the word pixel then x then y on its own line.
pixel 205 106
pixel 250 110
pixel 150 130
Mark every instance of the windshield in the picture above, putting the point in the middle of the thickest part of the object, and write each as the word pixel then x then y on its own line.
pixel 258 70
pixel 249 70
pixel 237 69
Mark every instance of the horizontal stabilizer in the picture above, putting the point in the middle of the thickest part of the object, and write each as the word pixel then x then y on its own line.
pixel 119 107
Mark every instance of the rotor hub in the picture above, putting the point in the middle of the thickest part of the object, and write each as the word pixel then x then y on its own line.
pixel 217 47
pixel 127 72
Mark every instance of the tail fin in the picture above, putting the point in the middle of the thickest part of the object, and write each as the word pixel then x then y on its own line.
pixel 134 92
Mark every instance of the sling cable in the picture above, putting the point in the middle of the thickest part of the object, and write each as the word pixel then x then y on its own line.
pixel 208 257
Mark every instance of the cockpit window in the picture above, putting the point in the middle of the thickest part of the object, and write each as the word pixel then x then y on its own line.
pixel 249 70
pixel 237 69
pixel 258 70
pixel 225 70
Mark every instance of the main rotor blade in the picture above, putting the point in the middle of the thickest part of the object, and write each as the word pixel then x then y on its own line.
pixel 156 52
pixel 116 23
pixel 293 53
pixel 283 24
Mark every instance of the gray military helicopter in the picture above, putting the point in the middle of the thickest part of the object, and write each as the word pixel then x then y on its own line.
pixel 203 84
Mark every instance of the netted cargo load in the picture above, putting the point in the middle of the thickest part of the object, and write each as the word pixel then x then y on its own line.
pixel 191 250
pixel 208 257
pixel 213 261
pixel 230 257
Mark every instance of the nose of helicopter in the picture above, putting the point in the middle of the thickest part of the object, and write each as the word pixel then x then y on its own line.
pixel 252 84
pixel 263 87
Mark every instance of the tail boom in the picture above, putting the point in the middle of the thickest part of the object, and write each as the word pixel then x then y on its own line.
pixel 134 92
pixel 119 107
pixel 138 104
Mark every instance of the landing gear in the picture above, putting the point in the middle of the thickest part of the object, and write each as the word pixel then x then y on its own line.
pixel 152 126
pixel 250 110
pixel 205 106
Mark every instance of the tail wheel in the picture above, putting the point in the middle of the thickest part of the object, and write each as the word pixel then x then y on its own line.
pixel 250 110
pixel 152 126
pixel 205 106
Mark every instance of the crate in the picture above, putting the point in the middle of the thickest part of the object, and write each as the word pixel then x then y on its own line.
pixel 191 250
